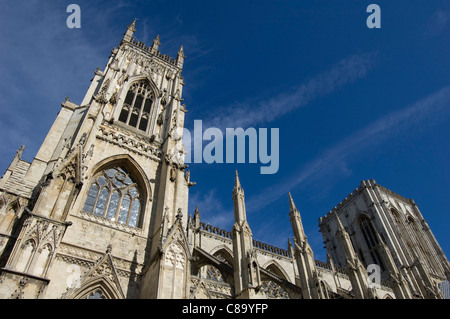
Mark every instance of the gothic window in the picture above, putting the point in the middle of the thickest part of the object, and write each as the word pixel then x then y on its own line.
pixel 418 238
pixel 274 290
pixel 115 195
pixel 371 240
pixel 137 105
pixel 212 273
pixel 97 294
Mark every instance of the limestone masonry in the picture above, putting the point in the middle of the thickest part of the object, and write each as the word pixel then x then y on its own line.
pixel 102 212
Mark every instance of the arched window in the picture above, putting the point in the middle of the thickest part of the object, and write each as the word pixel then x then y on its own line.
pixel 137 105
pixel 97 294
pixel 114 195
pixel 371 240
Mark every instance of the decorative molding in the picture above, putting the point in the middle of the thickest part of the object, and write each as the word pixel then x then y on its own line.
pixel 134 144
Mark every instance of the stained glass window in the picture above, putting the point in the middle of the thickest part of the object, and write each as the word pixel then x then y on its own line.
pixel 114 195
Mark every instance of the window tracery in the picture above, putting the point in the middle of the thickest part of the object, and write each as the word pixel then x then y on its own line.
pixel 137 106
pixel 114 195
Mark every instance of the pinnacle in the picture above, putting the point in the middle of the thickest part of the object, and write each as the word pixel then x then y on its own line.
pixel 156 40
pixel 340 226
pixel 132 26
pixel 291 202
pixel 237 183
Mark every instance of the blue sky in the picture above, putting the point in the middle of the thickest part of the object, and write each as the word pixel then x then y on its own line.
pixel 351 103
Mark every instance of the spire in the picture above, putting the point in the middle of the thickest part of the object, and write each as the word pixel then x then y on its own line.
pixel 131 29
pixel 196 212
pixel 303 254
pixel 291 203
pixel 237 183
pixel 180 57
pixel 239 201
pixel 296 221
pixel 132 26
pixel 156 44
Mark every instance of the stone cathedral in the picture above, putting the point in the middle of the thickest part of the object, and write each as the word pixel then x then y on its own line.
pixel 102 212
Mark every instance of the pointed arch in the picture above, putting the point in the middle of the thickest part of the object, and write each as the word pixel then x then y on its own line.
pixel 28 249
pixel 100 284
pixel 137 102
pixel 139 78
pixel 225 252
pixel 43 260
pixel 119 190
pixel 369 233
pixel 274 267
pixel 175 265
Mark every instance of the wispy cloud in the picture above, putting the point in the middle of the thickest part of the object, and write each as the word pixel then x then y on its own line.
pixel 438 22
pixel 256 112
pixel 211 209
pixel 424 112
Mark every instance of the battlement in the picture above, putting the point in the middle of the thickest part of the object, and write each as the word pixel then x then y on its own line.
pixel 141 45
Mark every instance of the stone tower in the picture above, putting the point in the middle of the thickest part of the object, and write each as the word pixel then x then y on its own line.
pixel 101 212
pixel 376 226
pixel 106 195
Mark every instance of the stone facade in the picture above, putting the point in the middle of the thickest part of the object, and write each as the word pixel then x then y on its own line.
pixel 101 212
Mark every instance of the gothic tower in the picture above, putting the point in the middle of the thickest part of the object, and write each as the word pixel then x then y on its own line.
pixel 387 230
pixel 106 195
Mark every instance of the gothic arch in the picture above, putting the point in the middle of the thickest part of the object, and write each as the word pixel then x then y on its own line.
pixel 43 257
pixel 175 275
pixel 122 94
pixel 138 78
pixel 27 251
pixel 225 251
pixel 371 238
pixel 274 267
pixel 128 161
pixel 99 284
pixel 397 216
pixel 134 170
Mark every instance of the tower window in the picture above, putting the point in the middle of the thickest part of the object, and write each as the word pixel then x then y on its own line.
pixel 137 106
pixel 371 240
pixel 114 195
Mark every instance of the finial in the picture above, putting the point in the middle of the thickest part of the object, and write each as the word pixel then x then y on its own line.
pixel 180 57
pixel 109 249
pixel 181 52
pixel 196 212
pixel 20 152
pixel 132 26
pixel 237 183
pixel 291 203
pixel 156 40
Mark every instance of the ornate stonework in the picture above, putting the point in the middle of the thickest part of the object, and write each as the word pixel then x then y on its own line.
pixel 69 228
